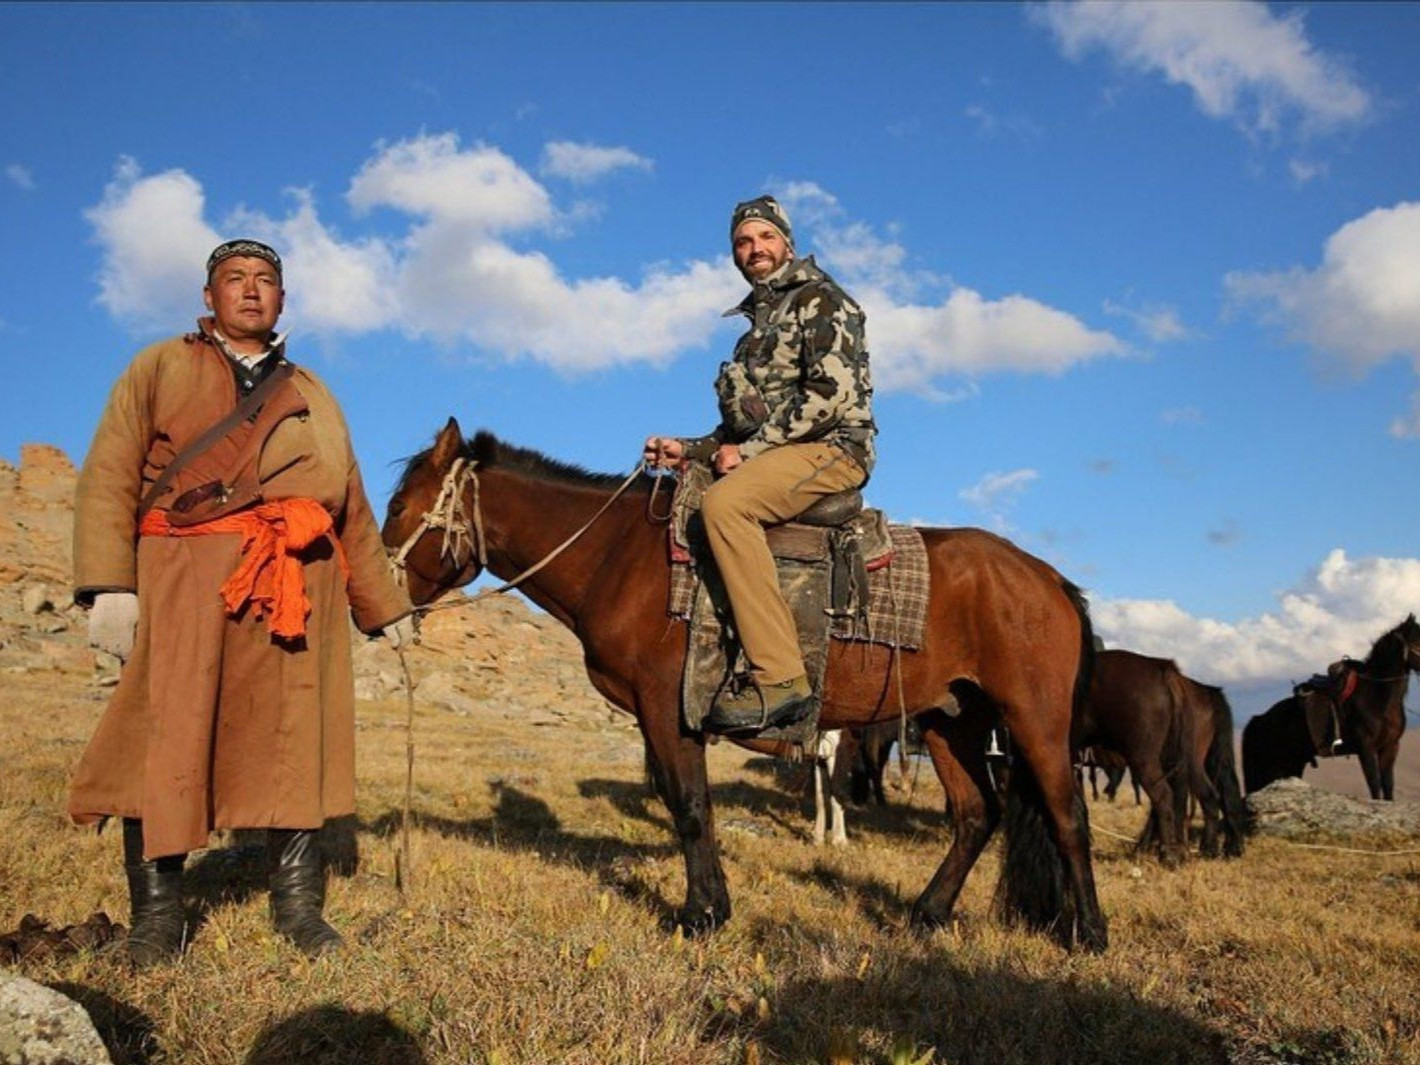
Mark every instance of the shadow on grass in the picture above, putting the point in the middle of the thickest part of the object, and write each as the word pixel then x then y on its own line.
pixel 982 1013
pixel 126 1031
pixel 330 1034
pixel 525 823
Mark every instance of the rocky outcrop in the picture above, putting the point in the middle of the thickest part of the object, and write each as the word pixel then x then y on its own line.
pixel 495 656
pixel 1293 809
pixel 39 1026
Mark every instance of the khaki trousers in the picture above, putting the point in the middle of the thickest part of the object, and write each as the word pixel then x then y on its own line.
pixel 772 487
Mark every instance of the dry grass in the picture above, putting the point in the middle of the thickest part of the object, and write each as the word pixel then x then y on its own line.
pixel 543 873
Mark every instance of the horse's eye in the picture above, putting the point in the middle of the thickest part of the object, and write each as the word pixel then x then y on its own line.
pixel 397 507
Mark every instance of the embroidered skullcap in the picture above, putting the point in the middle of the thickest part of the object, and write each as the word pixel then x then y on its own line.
pixel 254 249
pixel 764 208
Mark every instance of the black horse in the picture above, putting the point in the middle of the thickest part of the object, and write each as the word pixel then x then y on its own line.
pixel 1359 710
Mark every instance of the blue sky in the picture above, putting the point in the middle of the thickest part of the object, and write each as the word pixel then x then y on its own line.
pixel 1141 280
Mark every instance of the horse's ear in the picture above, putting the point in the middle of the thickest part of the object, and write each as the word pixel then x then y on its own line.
pixel 448 445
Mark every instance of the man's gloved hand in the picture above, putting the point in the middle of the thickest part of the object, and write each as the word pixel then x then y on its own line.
pixel 113 620
pixel 401 633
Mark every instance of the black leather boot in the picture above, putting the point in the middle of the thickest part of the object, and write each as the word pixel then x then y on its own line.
pixel 296 876
pixel 158 927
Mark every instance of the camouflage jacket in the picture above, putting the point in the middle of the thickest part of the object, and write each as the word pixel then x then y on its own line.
pixel 801 372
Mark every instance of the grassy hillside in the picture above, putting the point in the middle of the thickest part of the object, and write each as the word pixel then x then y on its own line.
pixel 543 873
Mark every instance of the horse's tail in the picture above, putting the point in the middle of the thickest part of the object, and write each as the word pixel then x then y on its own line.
pixel 1034 889
pixel 1089 645
pixel 1219 764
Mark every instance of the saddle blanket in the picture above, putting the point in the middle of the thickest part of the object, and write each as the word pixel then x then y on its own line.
pixel 897 595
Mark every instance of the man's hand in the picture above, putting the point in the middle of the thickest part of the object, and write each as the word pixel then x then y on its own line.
pixel 663 452
pixel 401 633
pixel 727 457
pixel 113 620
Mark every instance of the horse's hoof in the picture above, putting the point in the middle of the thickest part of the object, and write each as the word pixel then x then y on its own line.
pixel 702 922
pixel 1093 940
pixel 926 922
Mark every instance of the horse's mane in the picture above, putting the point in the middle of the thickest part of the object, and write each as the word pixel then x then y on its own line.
pixel 490 452
pixel 1399 632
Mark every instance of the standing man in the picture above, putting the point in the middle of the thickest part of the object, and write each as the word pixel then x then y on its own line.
pixel 221 539
pixel 795 425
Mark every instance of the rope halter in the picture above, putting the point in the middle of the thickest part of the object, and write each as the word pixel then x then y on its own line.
pixel 447 513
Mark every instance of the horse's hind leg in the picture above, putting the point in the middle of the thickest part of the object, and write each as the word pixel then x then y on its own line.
pixel 678 763
pixel 1046 752
pixel 957 750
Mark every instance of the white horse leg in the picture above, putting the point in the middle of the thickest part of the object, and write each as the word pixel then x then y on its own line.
pixel 828 811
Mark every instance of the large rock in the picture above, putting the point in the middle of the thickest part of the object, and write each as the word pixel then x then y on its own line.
pixel 42 1027
pixel 1294 809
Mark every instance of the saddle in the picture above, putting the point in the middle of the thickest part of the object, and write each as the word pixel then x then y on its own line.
pixel 1336 686
pixel 838 529
pixel 823 559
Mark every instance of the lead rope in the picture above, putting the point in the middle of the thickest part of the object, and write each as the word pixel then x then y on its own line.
pixel 554 553
pixel 448 512
pixel 404 870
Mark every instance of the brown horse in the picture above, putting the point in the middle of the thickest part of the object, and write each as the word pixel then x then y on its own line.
pixel 1138 707
pixel 1373 717
pixel 1368 721
pixel 1010 641
pixel 1214 775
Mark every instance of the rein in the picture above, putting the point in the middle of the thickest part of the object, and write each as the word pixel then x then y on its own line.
pixel 447 513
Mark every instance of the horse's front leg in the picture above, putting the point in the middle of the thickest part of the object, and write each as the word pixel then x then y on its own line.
pixel 958 751
pixel 678 763
pixel 1367 755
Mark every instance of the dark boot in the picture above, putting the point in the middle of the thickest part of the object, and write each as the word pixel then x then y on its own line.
pixel 297 879
pixel 158 927
pixel 757 707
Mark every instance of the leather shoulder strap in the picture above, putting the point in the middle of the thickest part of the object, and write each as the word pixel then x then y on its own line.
pixel 248 408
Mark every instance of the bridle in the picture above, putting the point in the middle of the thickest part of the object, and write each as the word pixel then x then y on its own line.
pixel 464 530
pixel 447 513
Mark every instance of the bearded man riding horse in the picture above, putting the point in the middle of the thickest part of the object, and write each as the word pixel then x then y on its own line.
pixel 1006 639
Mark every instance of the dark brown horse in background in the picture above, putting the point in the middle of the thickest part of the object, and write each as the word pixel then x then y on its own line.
pixel 1374 716
pixel 1368 722
pixel 1009 641
pixel 1138 707
pixel 1213 774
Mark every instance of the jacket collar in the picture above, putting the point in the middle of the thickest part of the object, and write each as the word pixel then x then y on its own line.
pixel 275 344
pixel 792 274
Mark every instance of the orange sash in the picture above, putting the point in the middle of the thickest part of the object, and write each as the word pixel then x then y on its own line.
pixel 270 576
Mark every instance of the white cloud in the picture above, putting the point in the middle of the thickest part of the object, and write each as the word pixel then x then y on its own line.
pixel 154 242
pixel 914 341
pixel 451 275
pixel 1407 426
pixel 20 176
pixel 587 162
pixel 1362 304
pixel 1240 60
pixel 1305 170
pixel 996 493
pixel 1340 608
pixel 1182 416
pixel 431 177
pixel 1161 324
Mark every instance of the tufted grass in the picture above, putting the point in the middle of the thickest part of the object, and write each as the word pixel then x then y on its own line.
pixel 543 873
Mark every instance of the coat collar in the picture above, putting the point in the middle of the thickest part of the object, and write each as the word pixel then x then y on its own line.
pixel 791 275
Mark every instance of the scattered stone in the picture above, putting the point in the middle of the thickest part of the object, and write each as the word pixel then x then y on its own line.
pixel 1293 809
pixel 35 599
pixel 39 1026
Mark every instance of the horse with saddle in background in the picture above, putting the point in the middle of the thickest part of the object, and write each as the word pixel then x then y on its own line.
pixel 1008 642
pixel 1354 708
